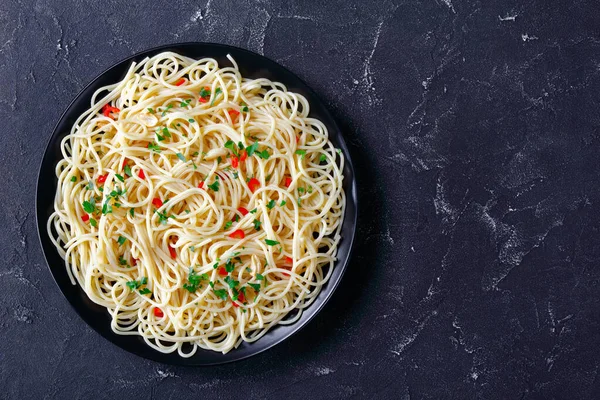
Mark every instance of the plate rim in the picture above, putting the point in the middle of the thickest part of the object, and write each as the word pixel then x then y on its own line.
pixel 351 195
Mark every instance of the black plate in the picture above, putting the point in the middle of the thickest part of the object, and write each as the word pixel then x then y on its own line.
pixel 251 65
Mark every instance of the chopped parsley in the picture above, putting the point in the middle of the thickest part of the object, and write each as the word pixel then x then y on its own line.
pixel 228 224
pixel 251 149
pixel 186 103
pixel 192 248
pixel 93 222
pixel 166 132
pixel 214 186
pixel 132 211
pixel 271 242
pixel 231 146
pixel 221 293
pixel 145 291
pixel 167 109
pixel 127 170
pixel 162 217
pixel 263 154
pixel 191 120
pixel 151 111
pixel 301 153
pixel 259 277
pixel 217 92
pixel 89 206
pixel 322 158
pixel 119 177
pixel 282 203
pixel 253 211
pixel 181 157
pixel 121 240
pixel 73 179
pixel 194 281
pixel 232 283
pixel 154 147
pixel 244 107
pixel 257 224
pixel 204 93
pixel 255 286
pixel 271 204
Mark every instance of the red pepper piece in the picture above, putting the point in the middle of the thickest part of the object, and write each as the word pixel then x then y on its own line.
pixel 158 312
pixel 201 185
pixel 85 217
pixel 243 156
pixel 242 211
pixel 108 109
pixel 288 181
pixel 180 82
pixel 222 271
pixel 238 234
pixel 233 114
pixel 234 162
pixel 172 252
pixel 141 174
pixel 157 202
pixel 253 184
pixel 102 178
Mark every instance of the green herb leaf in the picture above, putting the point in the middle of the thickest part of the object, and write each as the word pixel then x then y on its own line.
pixel 263 154
pixel 271 204
pixel 204 93
pixel 244 107
pixel 255 286
pixel 119 177
pixel 301 153
pixel 121 240
pixel 133 285
pixel 299 201
pixel 253 211
pixel 221 293
pixel 231 146
pixel 232 283
pixel 145 291
pixel 122 261
pixel 214 186
pixel 181 157
pixel 228 224
pixel 191 120
pixel 159 137
pixel 166 132
pixel 229 266
pixel 301 190
pixel 271 242
pixel 283 203
pixel 217 92
pixel 127 170
pixel 251 149
pixel 185 103
pixel 151 111
pixel 132 211
pixel 235 175
pixel 322 158
pixel 88 207
pixel 259 277
pixel 144 280
pixel 154 147
pixel 167 109
pixel 93 222
pixel 73 179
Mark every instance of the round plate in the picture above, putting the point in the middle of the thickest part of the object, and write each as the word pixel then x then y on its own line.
pixel 251 65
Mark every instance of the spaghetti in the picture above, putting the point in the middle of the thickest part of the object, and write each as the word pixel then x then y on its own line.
pixel 196 205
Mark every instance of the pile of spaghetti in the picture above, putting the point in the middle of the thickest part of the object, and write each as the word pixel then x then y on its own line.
pixel 197 206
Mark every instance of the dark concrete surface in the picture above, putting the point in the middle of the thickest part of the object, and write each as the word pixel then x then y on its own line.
pixel 475 127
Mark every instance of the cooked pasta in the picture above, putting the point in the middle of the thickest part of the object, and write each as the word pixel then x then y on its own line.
pixel 199 207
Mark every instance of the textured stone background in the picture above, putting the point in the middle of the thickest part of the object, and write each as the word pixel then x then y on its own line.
pixel 475 129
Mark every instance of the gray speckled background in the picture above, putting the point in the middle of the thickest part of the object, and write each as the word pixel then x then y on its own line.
pixel 475 129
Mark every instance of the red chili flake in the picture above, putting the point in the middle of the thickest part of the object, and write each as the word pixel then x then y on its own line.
pixel 242 211
pixel 297 139
pixel 133 262
pixel 172 252
pixel 222 271
pixel 180 82
pixel 253 184
pixel 234 161
pixel 102 178
pixel 157 202
pixel 108 109
pixel 124 163
pixel 158 312
pixel 201 185
pixel 237 234
pixel 243 156
pixel 289 260
pixel 141 174
pixel 85 217
pixel 233 114
pixel 288 181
